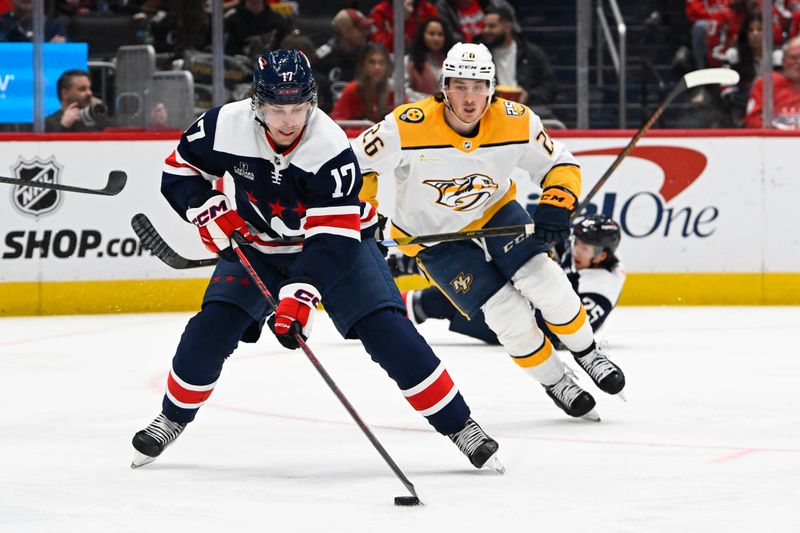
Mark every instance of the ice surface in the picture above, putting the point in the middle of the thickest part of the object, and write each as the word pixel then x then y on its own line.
pixel 708 441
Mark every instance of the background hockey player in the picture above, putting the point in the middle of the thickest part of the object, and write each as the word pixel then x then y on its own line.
pixel 592 267
pixel 296 182
pixel 451 156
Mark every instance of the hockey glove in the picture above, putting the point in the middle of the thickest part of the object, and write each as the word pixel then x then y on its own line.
pixel 551 217
pixel 212 214
pixel 295 312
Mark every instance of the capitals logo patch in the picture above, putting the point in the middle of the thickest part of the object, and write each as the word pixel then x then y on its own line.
pixel 30 199
pixel 464 194
pixel 412 115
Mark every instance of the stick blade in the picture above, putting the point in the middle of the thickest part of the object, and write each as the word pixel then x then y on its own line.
pixel 708 76
pixel 116 182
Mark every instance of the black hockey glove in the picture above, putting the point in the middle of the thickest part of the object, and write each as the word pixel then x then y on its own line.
pixel 551 223
pixel 402 265
pixel 379 234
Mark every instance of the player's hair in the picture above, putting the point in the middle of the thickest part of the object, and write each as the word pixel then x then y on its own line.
pixel 65 80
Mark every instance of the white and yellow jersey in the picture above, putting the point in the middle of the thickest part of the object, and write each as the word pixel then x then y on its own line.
pixel 446 182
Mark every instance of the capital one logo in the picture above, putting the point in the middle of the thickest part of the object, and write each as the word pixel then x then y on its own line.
pixel 681 167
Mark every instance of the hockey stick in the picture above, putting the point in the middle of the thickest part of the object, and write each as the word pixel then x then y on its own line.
pixel 400 500
pixel 153 242
pixel 116 182
pixel 708 76
pixel 527 229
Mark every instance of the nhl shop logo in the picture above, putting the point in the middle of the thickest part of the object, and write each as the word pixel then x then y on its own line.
pixel 30 199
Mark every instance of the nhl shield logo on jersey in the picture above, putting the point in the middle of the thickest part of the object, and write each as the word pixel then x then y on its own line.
pixel 30 199
pixel 464 194
pixel 412 115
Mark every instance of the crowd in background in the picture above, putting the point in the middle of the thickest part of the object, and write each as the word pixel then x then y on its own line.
pixel 351 51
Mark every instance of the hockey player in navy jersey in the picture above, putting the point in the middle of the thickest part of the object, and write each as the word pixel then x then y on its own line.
pixel 295 199
pixel 591 265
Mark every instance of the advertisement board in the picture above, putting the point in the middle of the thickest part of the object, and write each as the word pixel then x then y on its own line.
pixel 704 220
pixel 16 77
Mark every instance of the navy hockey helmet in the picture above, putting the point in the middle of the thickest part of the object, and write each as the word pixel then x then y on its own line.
pixel 283 77
pixel 599 230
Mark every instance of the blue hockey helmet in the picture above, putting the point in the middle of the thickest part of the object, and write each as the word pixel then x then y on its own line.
pixel 283 77
pixel 599 230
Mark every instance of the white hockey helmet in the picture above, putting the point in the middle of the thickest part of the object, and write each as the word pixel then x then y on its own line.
pixel 469 61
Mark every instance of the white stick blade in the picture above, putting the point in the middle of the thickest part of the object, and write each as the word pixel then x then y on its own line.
pixel 707 76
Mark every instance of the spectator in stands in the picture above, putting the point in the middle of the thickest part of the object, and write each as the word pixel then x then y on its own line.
pixel 464 18
pixel 424 61
pixel 369 95
pixel 521 66
pixel 785 93
pixel 252 28
pixel 17 25
pixel 339 57
pixel 297 41
pixel 745 58
pixel 80 111
pixel 416 12
pixel 5 6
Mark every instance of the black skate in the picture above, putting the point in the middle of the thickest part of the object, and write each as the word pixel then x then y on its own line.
pixel 572 399
pixel 605 374
pixel 151 441
pixel 479 447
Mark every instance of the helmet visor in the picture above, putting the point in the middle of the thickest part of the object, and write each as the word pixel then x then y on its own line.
pixel 285 117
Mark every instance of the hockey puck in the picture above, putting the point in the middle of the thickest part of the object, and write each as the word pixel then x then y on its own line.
pixel 407 501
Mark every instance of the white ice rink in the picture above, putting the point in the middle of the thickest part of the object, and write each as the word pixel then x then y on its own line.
pixel 709 440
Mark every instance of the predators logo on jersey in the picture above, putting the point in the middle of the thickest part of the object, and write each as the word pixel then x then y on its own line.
pixel 412 115
pixel 466 193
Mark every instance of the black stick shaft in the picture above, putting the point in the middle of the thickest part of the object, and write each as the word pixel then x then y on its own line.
pixel 116 182
pixel 630 146
pixel 238 239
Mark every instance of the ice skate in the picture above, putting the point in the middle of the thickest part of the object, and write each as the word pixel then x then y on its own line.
pixel 151 441
pixel 605 374
pixel 572 399
pixel 480 448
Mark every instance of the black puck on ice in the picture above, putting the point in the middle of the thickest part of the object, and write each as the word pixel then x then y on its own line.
pixel 407 501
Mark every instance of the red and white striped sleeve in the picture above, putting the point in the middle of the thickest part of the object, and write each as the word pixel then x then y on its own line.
pixel 344 221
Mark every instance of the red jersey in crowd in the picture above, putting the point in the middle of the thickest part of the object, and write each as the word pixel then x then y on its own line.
pixel 785 106
pixel 471 21
pixel 383 17
pixel 351 105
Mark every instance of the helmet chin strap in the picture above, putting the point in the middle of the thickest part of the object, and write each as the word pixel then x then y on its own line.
pixel 450 108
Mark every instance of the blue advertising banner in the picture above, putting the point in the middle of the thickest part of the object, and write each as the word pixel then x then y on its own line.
pixel 16 77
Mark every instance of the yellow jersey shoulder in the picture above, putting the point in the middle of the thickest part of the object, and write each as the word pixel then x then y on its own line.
pixel 417 113
pixel 419 122
pixel 509 122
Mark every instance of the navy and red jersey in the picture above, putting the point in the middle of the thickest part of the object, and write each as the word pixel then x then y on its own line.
pixel 301 203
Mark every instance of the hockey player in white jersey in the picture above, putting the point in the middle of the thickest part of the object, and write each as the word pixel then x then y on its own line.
pixel 451 156
pixel 591 264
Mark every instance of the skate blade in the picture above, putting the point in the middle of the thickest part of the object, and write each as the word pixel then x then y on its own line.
pixel 622 397
pixel 592 416
pixel 494 464
pixel 140 459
